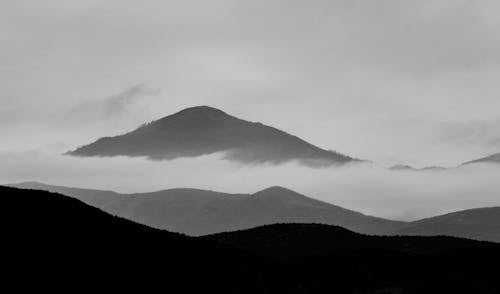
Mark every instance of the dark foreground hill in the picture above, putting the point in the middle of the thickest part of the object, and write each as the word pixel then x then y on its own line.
pixel 200 212
pixel 58 243
pixel 478 224
pixel 204 130
pixel 299 240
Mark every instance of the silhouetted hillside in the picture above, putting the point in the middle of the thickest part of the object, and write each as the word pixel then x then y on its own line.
pixel 420 264
pixel 199 212
pixel 299 240
pixel 53 240
pixel 56 243
pixel 479 224
pixel 205 130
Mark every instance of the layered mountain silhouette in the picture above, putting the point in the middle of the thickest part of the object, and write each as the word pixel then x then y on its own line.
pixel 204 130
pixel 495 158
pixel 200 212
pixel 479 224
pixel 97 198
pixel 55 243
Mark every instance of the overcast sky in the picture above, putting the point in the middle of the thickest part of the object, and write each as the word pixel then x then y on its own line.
pixel 414 82
pixel 410 82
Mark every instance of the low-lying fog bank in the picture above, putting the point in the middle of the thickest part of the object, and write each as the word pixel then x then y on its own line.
pixel 374 190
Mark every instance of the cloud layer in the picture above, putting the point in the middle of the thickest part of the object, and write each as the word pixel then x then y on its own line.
pixel 367 188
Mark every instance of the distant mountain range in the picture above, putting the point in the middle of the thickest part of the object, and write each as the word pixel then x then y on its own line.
pixel 495 158
pixel 200 212
pixel 478 224
pixel 56 243
pixel 204 130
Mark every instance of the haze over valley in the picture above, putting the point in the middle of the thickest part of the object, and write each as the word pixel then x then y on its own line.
pixel 202 148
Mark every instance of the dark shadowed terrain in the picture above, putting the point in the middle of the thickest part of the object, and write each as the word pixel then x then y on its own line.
pixel 58 243
pixel 205 130
pixel 299 240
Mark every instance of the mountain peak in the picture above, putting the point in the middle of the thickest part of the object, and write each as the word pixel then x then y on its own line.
pixel 494 158
pixel 276 189
pixel 282 194
pixel 203 130
pixel 195 118
pixel 202 110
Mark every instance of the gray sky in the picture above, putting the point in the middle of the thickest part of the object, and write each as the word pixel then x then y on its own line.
pixel 414 82
pixel 411 82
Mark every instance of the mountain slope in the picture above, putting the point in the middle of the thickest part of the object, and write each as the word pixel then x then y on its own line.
pixel 294 240
pixel 54 243
pixel 495 158
pixel 199 212
pixel 97 198
pixel 204 130
pixel 479 224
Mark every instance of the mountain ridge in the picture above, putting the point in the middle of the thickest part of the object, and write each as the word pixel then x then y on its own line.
pixel 200 212
pixel 476 223
pixel 203 130
pixel 494 158
pixel 52 243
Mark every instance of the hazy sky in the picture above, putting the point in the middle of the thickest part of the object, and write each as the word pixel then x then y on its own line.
pixel 414 82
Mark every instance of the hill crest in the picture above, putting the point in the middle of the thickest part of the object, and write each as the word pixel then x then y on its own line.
pixel 204 130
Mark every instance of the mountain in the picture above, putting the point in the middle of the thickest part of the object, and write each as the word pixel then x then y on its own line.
pixel 401 167
pixel 204 130
pixel 97 198
pixel 479 224
pixel 295 240
pixel 495 158
pixel 200 212
pixel 55 243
